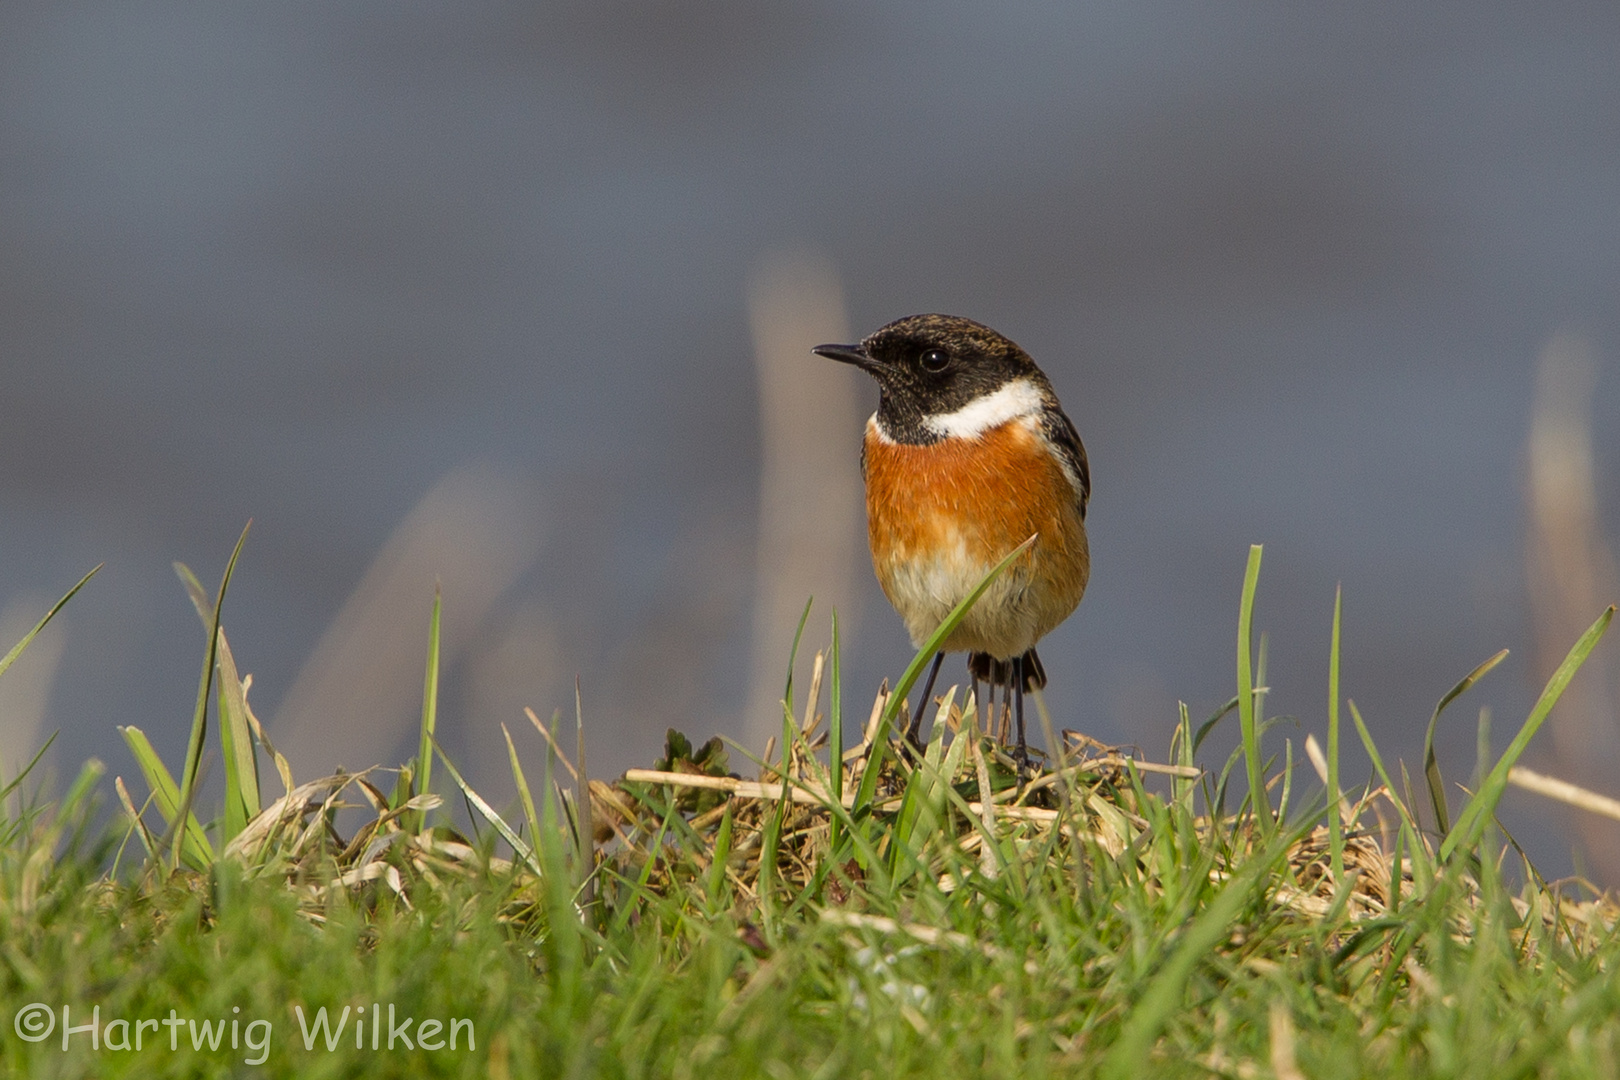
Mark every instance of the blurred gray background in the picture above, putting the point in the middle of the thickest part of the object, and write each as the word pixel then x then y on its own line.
pixel 517 298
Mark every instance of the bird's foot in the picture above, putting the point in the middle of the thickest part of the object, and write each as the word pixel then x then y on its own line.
pixel 1020 756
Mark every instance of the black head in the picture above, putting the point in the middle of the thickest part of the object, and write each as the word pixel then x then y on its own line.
pixel 932 366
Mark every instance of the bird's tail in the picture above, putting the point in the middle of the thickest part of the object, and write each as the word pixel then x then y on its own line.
pixel 987 668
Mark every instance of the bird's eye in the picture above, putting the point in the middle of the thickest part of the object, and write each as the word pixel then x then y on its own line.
pixel 935 360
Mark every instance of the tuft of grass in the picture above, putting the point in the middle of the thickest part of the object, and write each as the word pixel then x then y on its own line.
pixel 880 909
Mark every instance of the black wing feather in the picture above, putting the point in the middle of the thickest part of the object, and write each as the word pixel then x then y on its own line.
pixel 1066 441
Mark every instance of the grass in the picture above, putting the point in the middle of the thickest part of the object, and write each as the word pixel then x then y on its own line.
pixel 864 909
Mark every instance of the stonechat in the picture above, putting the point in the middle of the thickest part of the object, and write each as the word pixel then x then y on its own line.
pixel 968 455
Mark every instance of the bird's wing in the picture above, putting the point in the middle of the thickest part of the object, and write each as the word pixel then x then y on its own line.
pixel 1060 433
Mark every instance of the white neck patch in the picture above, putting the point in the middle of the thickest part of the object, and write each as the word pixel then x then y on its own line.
pixel 1012 401
pixel 876 429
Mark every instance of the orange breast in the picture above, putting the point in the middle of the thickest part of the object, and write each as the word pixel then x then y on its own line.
pixel 940 516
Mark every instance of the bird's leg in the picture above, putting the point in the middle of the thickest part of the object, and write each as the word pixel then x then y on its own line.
pixel 1018 691
pixel 922 703
pixel 1003 713
pixel 973 695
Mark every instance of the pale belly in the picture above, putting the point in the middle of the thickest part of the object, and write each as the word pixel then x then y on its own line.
pixel 931 544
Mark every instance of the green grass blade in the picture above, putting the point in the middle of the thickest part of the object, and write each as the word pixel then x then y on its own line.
pixel 18 779
pixel 720 857
pixel 1431 764
pixel 196 593
pixel 1378 764
pixel 17 649
pixel 564 944
pixel 75 806
pixel 1476 814
pixel 507 833
pixel 1259 802
pixel 925 656
pixel 234 816
pixel 638 888
pixel 236 741
pixel 522 786
pixel 787 689
pixel 1395 864
pixel 166 796
pixel 1209 725
pixel 199 718
pixel 137 826
pixel 855 830
pixel 1261 688
pixel 1409 823
pixel 793 653
pixel 242 797
pixel 770 844
pixel 919 817
pixel 582 801
pixel 1335 793
pixel 956 756
pixel 1287 780
pixel 1181 751
pixel 430 704
pixel 835 726
pixel 1127 1059
pixel 79 792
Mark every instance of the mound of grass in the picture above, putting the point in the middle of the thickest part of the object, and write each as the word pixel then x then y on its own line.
pixel 865 907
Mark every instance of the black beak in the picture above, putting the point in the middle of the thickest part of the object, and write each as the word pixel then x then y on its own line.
pixel 850 354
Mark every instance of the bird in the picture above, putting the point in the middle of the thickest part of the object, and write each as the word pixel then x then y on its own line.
pixel 968 455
